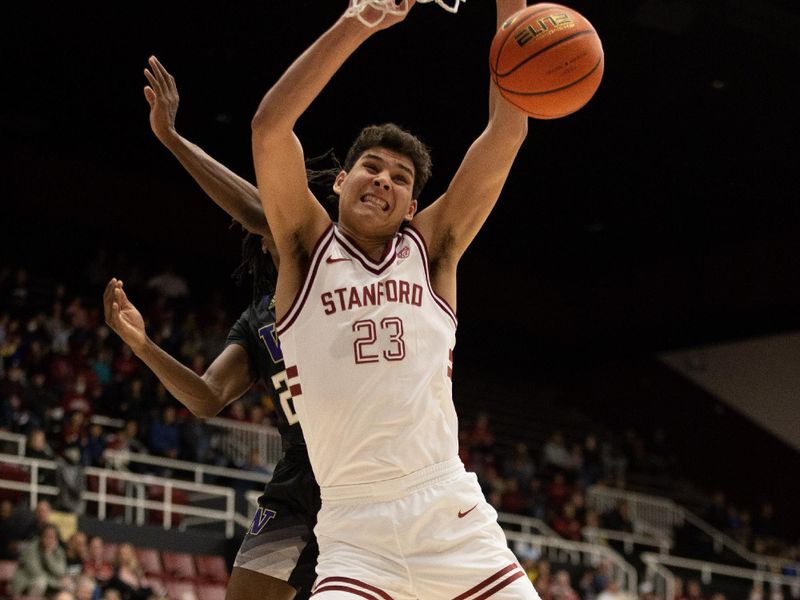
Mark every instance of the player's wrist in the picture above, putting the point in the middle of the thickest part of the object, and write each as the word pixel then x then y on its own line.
pixel 140 345
pixel 353 28
pixel 168 136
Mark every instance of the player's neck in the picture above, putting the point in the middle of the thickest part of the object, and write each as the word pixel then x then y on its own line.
pixel 374 246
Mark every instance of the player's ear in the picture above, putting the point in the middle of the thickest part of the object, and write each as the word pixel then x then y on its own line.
pixel 337 183
pixel 412 210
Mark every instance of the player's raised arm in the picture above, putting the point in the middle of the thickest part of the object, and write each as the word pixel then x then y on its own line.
pixel 453 220
pixel 233 194
pixel 297 220
pixel 225 380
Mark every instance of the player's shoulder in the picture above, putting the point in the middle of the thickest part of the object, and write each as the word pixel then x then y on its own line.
pixel 261 310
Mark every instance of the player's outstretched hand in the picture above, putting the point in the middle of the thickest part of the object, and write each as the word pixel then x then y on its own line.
pixel 162 96
pixel 122 316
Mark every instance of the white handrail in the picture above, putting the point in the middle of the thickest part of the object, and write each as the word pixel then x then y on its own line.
pixel 526 524
pixel 596 535
pixel 707 569
pixel 110 422
pixel 722 540
pixel 16 438
pixel 118 459
pixel 570 551
pixel 663 580
pixel 238 439
pixel 656 513
pixel 136 498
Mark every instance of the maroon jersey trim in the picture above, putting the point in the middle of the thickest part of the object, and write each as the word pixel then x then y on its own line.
pixel 299 301
pixel 415 235
pixel 373 266
pixel 346 584
pixel 491 579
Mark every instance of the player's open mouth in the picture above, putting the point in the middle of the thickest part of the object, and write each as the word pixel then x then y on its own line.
pixel 379 203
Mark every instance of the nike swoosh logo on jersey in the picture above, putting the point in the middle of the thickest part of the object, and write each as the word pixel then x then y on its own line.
pixel 461 515
pixel 330 260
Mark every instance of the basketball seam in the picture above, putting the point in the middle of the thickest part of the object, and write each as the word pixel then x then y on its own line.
pixel 514 28
pixel 558 89
pixel 545 49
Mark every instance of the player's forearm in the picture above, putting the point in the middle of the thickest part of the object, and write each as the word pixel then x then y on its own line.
pixel 184 384
pixel 506 8
pixel 233 194
pixel 504 119
pixel 297 88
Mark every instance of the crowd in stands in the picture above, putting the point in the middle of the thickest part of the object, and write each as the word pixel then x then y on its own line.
pixel 78 568
pixel 60 365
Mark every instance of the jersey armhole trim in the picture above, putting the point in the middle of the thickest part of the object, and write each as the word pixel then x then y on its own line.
pixel 299 301
pixel 415 235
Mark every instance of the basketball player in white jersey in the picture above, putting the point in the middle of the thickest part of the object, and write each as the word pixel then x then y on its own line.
pixel 366 322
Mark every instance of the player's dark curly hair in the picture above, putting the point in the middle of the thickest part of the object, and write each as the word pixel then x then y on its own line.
pixel 394 138
pixel 258 263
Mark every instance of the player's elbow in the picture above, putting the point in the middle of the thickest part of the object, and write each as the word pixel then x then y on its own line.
pixel 206 411
pixel 515 128
pixel 260 122
pixel 269 119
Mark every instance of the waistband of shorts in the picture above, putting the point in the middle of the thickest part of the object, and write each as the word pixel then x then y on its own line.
pixel 392 489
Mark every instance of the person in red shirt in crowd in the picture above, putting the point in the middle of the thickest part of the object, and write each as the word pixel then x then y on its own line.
pixel 566 524
pixel 96 565
pixel 125 365
pixel 558 492
pixel 77 397
pixel 512 500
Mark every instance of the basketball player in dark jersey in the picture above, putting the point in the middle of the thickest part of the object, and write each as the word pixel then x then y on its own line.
pixel 278 555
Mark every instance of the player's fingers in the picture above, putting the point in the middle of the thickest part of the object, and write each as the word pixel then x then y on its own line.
pixel 154 83
pixel 149 95
pixel 107 295
pixel 156 73
pixel 119 296
pixel 166 75
pixel 159 71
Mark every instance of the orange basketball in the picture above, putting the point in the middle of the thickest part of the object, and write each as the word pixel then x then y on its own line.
pixel 547 60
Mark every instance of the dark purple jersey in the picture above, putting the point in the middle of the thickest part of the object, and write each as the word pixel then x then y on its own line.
pixel 255 332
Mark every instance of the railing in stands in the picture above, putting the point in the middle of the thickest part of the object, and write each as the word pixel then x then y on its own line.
pixel 597 535
pixel 558 549
pixel 660 516
pixel 656 562
pixel 134 496
pixel 525 524
pixel 662 579
pixel 721 541
pixel 236 440
pixel 14 438
pixel 120 459
pixel 648 513
pixel 107 422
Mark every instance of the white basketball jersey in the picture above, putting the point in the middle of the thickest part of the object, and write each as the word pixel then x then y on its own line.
pixel 368 350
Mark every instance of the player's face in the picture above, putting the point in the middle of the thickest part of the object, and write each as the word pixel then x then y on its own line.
pixel 375 196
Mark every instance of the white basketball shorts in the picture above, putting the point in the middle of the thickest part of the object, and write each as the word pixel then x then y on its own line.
pixel 430 535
